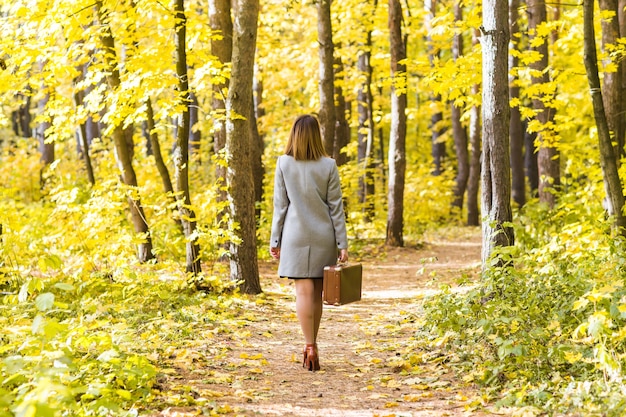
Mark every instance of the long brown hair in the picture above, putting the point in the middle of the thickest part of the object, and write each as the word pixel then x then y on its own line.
pixel 305 139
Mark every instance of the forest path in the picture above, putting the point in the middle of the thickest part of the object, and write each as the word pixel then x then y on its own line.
pixel 371 365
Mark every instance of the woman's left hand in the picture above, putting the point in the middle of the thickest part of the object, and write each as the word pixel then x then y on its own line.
pixel 343 256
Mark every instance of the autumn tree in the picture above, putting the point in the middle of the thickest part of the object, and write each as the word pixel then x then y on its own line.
pixel 181 153
pixel 365 110
pixel 258 144
pixel 475 147
pixel 496 186
pixel 222 48
pixel 612 77
pixel 46 147
pixel 121 140
pixel 516 128
pixel 82 131
pixel 542 94
pixel 608 157
pixel 397 134
pixel 342 128
pixel 621 19
pixel 459 133
pixel 21 118
pixel 327 113
pixel 473 180
pixel 243 253
pixel 437 128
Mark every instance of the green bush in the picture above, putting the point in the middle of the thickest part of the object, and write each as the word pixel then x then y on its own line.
pixel 546 329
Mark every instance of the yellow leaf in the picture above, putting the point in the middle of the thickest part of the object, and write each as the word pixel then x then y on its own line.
pixel 411 398
pixel 595 296
pixel 573 357
pixel 578 304
pixel 393 384
pixel 621 335
pixel 123 393
pixel 391 404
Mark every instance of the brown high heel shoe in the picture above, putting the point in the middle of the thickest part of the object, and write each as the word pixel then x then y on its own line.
pixel 311 360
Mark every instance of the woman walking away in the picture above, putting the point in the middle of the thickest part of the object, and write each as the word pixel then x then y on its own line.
pixel 308 227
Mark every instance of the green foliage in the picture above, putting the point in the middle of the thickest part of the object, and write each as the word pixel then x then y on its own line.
pixel 72 307
pixel 70 340
pixel 546 329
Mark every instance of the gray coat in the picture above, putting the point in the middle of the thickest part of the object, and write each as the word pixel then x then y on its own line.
pixel 309 225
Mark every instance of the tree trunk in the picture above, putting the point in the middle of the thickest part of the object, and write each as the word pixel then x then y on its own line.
pixel 221 22
pixel 327 78
pixel 460 145
pixel 531 164
pixel 83 140
pixel 342 129
pixel 397 134
pixel 381 145
pixel 195 136
pixel 496 185
pixel 156 150
pixel 164 173
pixel 608 158
pixel 92 127
pixel 145 133
pixel 612 81
pixel 122 151
pixel 21 117
pixel 365 132
pixel 436 118
pixel 243 262
pixel 181 154
pixel 473 182
pixel 258 145
pixel 458 130
pixel 621 15
pixel 438 145
pixel 516 130
pixel 46 148
pixel 547 154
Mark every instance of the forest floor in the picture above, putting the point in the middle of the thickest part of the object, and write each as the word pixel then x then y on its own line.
pixel 370 362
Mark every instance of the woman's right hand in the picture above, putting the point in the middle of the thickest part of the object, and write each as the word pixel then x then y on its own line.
pixel 275 252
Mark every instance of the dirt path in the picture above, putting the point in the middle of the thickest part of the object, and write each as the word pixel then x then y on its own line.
pixel 370 363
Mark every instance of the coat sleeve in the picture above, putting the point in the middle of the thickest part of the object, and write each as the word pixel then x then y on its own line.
pixel 281 204
pixel 335 206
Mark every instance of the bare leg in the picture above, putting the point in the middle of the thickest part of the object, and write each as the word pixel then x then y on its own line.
pixel 306 308
pixel 319 306
pixel 309 312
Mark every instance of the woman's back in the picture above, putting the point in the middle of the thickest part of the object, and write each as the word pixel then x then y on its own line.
pixel 309 192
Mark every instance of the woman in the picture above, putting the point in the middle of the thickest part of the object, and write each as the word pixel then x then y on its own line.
pixel 308 228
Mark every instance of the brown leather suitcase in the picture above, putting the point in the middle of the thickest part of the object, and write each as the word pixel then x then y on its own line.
pixel 342 284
